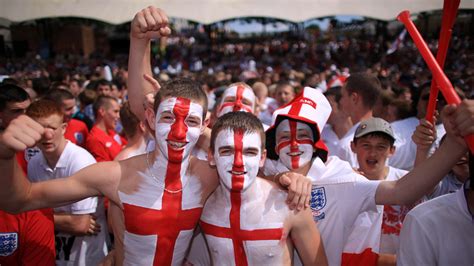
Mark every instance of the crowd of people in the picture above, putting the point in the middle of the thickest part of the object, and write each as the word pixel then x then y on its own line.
pixel 272 153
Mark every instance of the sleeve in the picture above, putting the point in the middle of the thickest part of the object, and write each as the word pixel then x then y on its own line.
pixel 415 247
pixel 365 191
pixel 88 205
pixel 39 242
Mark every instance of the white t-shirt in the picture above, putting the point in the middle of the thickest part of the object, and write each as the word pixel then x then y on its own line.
pixel 404 156
pixel 379 230
pixel 338 196
pixel 344 151
pixel 330 138
pixel 74 250
pixel 438 232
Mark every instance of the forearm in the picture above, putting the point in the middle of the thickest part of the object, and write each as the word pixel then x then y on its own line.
pixel 72 224
pixel 138 65
pixel 421 180
pixel 421 156
pixel 14 187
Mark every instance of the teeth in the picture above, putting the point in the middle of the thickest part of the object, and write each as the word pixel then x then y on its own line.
pixel 296 153
pixel 237 173
pixel 175 144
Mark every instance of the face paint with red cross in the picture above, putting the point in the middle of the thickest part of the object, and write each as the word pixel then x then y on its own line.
pixel 237 98
pixel 237 156
pixel 295 143
pixel 178 127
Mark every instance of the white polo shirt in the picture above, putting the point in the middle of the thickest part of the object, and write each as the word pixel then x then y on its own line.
pixel 73 250
pixel 338 196
pixel 344 151
pixel 438 232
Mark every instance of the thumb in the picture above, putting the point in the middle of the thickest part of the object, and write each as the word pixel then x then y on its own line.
pixel 285 180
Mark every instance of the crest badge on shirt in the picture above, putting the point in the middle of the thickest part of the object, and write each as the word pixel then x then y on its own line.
pixel 8 243
pixel 317 203
pixel 79 137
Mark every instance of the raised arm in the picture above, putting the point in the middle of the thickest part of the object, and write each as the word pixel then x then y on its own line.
pixel 18 194
pixel 149 23
pixel 425 176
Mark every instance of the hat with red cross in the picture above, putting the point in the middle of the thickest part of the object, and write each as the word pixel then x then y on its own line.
pixel 310 107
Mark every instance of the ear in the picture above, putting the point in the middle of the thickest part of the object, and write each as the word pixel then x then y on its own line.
pixel 205 123
pixel 210 158
pixel 101 111
pixel 64 126
pixel 353 146
pixel 150 117
pixel 141 126
pixel 355 97
pixel 392 151
pixel 263 157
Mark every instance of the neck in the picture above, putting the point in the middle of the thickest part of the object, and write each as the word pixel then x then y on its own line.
pixel 136 141
pixel 380 175
pixel 342 126
pixel 303 170
pixel 101 125
pixel 160 165
pixel 361 116
pixel 251 193
pixel 52 158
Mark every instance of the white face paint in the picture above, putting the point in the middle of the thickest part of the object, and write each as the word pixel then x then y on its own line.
pixel 237 157
pixel 178 127
pixel 295 143
pixel 237 98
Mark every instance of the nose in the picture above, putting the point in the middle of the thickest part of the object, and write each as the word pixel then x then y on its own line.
pixel 237 106
pixel 179 129
pixel 48 133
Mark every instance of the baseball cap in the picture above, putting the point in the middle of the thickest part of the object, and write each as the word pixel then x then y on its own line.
pixel 372 125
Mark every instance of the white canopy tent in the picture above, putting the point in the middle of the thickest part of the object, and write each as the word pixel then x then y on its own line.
pixel 210 11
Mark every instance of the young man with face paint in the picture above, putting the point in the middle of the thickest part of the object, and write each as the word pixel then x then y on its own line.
pixel 156 198
pixel 246 221
pixel 339 194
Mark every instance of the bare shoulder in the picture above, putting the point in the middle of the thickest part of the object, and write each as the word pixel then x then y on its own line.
pixel 202 170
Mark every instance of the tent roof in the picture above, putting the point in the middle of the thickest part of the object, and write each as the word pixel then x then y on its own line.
pixel 210 11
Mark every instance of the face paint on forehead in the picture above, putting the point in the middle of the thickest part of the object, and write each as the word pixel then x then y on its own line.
pixel 294 150
pixel 237 170
pixel 239 93
pixel 180 107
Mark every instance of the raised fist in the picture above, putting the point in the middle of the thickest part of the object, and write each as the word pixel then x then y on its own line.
pixel 150 23
pixel 21 133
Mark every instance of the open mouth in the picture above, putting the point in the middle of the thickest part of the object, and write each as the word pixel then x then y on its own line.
pixel 372 162
pixel 294 153
pixel 176 145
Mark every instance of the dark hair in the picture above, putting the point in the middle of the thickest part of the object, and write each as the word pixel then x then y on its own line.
pixel 182 87
pixel 237 120
pixel 129 120
pixel 44 108
pixel 102 101
pixel 11 93
pixel 368 86
pixel 87 97
pixel 58 95
pixel 102 82
pixel 377 135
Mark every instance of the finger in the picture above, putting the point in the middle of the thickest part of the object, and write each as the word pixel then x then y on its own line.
pixel 304 196
pixel 308 186
pixel 141 22
pixel 164 17
pixel 155 12
pixel 291 195
pixel 165 31
pixel 154 83
pixel 284 180
pixel 151 24
pixel 298 192
pixel 301 197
